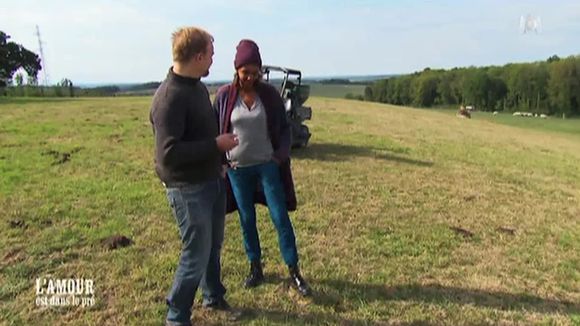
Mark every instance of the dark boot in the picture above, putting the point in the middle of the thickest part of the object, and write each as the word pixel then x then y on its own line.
pixel 256 276
pixel 220 304
pixel 298 282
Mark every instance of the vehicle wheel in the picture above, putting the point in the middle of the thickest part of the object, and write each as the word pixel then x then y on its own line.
pixel 305 135
pixel 293 141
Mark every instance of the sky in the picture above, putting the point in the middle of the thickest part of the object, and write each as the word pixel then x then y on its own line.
pixel 126 41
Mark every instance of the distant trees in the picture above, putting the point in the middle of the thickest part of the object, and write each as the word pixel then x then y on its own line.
pixel 336 81
pixel 14 56
pixel 424 89
pixel 144 86
pixel 351 96
pixel 564 85
pixel 551 86
pixel 65 86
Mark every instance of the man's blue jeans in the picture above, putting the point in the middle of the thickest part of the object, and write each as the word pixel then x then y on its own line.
pixel 199 210
pixel 244 181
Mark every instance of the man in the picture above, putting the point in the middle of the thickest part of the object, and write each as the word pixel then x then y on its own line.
pixel 188 159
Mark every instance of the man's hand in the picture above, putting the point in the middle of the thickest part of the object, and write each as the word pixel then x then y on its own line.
pixel 226 142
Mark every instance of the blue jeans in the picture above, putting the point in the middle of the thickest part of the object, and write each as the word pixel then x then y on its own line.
pixel 244 181
pixel 199 210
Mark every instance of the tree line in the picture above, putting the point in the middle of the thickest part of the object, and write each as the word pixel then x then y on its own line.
pixel 549 87
pixel 65 88
pixel 60 90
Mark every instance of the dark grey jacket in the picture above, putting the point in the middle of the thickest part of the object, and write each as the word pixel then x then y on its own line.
pixel 185 127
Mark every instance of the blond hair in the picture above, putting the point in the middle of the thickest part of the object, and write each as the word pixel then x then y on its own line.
pixel 189 41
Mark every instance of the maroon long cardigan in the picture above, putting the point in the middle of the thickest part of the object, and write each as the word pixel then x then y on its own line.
pixel 278 130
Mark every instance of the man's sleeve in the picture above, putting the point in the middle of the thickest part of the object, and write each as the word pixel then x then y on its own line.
pixel 217 103
pixel 169 123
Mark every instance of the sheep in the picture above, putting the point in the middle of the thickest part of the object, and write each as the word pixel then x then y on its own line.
pixel 463 113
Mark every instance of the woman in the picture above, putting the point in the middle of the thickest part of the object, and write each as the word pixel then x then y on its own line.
pixel 259 167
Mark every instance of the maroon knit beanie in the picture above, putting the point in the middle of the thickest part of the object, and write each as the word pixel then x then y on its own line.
pixel 247 52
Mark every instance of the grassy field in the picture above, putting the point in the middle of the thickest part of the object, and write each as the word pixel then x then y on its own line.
pixel 406 217
pixel 324 90
pixel 556 124
pixel 336 91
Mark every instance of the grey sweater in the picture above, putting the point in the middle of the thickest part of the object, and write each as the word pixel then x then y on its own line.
pixel 251 128
pixel 185 127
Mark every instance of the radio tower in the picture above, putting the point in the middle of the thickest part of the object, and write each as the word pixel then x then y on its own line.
pixel 42 59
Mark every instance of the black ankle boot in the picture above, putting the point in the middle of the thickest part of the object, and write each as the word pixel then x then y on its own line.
pixel 298 282
pixel 256 276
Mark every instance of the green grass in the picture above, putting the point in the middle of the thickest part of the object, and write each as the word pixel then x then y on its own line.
pixel 336 91
pixel 379 188
pixel 325 90
pixel 554 123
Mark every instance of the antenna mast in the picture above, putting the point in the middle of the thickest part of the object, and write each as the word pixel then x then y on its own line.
pixel 42 58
